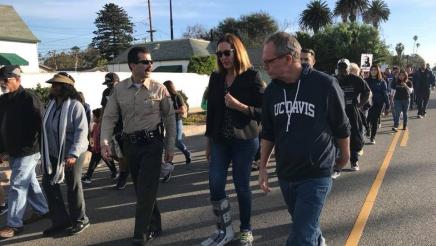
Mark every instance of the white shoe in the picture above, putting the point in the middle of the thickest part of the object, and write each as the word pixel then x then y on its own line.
pixel 336 174
pixel 355 167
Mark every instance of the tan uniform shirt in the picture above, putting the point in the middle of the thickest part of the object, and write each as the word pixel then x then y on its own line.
pixel 141 108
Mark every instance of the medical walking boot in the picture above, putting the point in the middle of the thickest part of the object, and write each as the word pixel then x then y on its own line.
pixel 224 232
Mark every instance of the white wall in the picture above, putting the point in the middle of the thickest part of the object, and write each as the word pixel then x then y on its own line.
pixel 27 51
pixel 90 83
pixel 122 67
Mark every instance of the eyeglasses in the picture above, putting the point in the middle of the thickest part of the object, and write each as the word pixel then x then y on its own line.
pixel 267 62
pixel 226 53
pixel 145 62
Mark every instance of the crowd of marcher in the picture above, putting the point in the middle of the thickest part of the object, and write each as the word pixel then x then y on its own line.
pixel 315 124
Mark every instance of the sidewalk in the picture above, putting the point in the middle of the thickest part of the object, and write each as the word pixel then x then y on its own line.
pixel 193 130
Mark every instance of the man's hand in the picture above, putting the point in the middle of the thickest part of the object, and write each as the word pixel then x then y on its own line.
pixel 106 152
pixel 263 179
pixel 168 157
pixel 70 161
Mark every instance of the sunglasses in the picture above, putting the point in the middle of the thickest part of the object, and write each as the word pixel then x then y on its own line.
pixel 145 62
pixel 267 62
pixel 226 53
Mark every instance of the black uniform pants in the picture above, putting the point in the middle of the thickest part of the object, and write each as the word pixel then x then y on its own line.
pixel 76 202
pixel 422 101
pixel 144 161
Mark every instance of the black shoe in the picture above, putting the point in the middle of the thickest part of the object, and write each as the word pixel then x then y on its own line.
pixel 188 160
pixel 121 183
pixel 153 234
pixel 78 228
pixel 55 230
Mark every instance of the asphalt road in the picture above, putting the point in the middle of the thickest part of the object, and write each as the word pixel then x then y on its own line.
pixel 404 211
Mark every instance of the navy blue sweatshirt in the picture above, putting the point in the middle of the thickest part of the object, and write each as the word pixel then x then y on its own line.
pixel 379 91
pixel 303 126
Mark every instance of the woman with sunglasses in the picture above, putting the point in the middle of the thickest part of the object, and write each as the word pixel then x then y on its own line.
pixel 233 111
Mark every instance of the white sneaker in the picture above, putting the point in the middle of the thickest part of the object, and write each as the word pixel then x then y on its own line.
pixel 355 167
pixel 336 174
pixel 246 238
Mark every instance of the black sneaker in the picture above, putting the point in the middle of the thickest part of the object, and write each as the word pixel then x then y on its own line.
pixel 121 183
pixel 3 209
pixel 188 160
pixel 78 228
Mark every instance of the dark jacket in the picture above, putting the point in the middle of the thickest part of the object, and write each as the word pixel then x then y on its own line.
pixel 402 90
pixel 248 88
pixel 422 80
pixel 20 123
pixel 379 91
pixel 303 126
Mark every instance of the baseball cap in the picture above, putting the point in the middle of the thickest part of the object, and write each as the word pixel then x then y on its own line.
pixel 110 78
pixel 10 71
pixel 343 62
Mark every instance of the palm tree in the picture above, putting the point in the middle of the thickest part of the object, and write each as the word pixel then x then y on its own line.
pixel 316 15
pixel 377 12
pixel 415 38
pixel 417 46
pixel 350 9
pixel 399 48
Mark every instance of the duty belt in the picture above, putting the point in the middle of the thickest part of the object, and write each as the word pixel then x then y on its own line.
pixel 142 136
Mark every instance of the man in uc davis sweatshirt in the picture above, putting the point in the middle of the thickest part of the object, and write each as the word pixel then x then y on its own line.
pixel 303 117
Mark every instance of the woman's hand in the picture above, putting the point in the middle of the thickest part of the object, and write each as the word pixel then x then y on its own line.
pixel 70 161
pixel 233 103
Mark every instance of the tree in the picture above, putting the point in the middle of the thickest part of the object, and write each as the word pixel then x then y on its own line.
pixel 415 38
pixel 75 50
pixel 316 15
pixel 252 29
pixel 350 9
pixel 345 40
pixel 377 12
pixel 114 31
pixel 202 65
pixel 399 48
pixel 197 31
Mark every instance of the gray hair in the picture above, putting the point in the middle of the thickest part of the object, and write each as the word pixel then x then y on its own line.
pixel 285 43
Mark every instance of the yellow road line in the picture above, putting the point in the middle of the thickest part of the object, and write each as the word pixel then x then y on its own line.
pixel 359 226
pixel 405 138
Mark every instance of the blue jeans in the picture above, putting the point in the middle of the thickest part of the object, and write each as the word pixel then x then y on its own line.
pixel 179 138
pixel 305 200
pixel 24 188
pixel 241 153
pixel 400 106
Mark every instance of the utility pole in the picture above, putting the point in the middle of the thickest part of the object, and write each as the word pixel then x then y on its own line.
pixel 151 31
pixel 171 19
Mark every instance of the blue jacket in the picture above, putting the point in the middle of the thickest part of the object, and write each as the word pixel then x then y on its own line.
pixel 379 91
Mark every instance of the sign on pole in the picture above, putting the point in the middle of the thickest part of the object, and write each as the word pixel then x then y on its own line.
pixel 365 62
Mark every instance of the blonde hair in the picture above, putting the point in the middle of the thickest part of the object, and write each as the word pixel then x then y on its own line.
pixel 241 60
pixel 354 69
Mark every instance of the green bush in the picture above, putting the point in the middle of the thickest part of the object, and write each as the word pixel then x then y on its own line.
pixel 42 92
pixel 202 65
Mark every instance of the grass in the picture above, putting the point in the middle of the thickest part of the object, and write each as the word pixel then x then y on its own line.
pixel 195 119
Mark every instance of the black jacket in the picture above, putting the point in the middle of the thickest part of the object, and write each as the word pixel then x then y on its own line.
pixel 248 88
pixel 303 121
pixel 20 123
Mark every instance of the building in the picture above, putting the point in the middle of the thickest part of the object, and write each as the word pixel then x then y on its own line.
pixel 17 40
pixel 168 56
